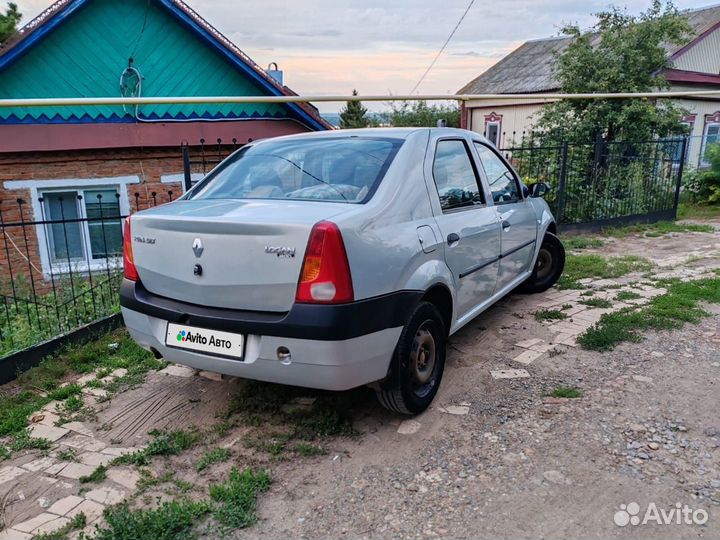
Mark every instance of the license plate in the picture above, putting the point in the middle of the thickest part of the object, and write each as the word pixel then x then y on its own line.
pixel 203 340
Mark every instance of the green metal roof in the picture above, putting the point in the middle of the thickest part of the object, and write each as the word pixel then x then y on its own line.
pixel 86 54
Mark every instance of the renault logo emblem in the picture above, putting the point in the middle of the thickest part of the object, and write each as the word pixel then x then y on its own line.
pixel 198 248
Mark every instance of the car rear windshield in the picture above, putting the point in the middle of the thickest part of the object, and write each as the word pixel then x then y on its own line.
pixel 340 169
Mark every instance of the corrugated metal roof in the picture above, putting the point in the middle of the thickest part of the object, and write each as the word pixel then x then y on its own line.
pixel 530 68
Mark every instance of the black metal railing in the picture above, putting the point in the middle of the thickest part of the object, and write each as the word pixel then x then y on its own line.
pixel 61 261
pixel 201 159
pixel 599 184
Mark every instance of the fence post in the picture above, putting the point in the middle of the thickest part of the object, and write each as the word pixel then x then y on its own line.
pixel 678 182
pixel 187 178
pixel 562 182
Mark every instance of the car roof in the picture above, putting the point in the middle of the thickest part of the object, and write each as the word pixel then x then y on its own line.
pixel 388 132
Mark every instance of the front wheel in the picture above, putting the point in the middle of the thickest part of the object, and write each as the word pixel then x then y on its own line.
pixel 549 266
pixel 417 364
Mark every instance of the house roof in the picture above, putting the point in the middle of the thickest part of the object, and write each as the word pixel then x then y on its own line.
pixel 530 68
pixel 61 11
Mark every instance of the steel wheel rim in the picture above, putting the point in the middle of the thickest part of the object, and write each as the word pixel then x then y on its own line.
pixel 544 264
pixel 423 360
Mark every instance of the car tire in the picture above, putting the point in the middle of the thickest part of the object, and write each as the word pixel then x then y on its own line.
pixel 418 363
pixel 548 268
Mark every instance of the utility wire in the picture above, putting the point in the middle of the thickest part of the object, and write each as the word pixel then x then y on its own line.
pixel 443 47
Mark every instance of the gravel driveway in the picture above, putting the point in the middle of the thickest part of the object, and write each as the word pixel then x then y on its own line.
pixel 495 456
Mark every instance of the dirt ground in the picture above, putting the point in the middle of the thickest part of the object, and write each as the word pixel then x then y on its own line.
pixel 494 457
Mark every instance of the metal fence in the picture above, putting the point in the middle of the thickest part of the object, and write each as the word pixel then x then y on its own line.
pixel 60 263
pixel 600 184
pixel 198 161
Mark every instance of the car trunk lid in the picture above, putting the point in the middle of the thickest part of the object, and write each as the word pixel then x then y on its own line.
pixel 237 254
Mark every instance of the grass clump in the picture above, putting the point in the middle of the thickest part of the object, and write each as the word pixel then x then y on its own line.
pixel 171 520
pixel 565 392
pixel 42 384
pixel 77 522
pixel 308 449
pixel 164 443
pixel 597 303
pixel 67 454
pixel 579 267
pixel 550 315
pixel 98 475
pixel 211 457
pixel 657 229
pixel 581 242
pixel 262 404
pixel 235 499
pixel 627 295
pixel 22 440
pixel 679 305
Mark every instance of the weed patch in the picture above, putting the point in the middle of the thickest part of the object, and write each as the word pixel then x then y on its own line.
pixel 627 295
pixel 164 443
pixel 307 449
pixel 581 242
pixel 550 315
pixel 565 392
pixel 98 475
pixel 236 498
pixel 597 303
pixel 174 520
pixel 679 305
pixel 657 229
pixel 211 457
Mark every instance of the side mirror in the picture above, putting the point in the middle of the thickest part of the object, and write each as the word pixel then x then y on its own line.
pixel 539 190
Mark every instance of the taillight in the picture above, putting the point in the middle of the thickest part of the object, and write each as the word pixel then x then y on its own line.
pixel 325 276
pixel 129 270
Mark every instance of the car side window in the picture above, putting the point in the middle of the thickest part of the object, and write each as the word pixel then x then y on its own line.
pixel 455 176
pixel 503 184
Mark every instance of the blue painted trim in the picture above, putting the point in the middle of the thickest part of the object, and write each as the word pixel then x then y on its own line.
pixel 16 52
pixel 21 48
pixel 129 119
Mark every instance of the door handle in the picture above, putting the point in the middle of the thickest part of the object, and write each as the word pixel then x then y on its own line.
pixel 506 225
pixel 453 238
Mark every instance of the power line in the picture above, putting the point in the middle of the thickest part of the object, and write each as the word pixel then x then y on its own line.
pixel 443 47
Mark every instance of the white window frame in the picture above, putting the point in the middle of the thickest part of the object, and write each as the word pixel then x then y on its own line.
pixel 498 124
pixel 38 187
pixel 705 136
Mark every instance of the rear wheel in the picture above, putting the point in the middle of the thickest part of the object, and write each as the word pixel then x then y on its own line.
pixel 548 266
pixel 418 363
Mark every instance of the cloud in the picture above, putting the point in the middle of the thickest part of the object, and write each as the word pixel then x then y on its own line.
pixel 381 46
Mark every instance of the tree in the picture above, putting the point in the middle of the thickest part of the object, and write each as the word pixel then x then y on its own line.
pixel 420 114
pixel 9 22
pixel 621 53
pixel 354 115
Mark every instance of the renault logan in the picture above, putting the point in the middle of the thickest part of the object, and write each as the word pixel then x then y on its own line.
pixel 337 259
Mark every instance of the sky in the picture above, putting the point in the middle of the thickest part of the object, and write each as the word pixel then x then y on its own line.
pixel 331 47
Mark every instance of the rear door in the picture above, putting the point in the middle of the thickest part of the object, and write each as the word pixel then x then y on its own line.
pixel 514 212
pixel 469 227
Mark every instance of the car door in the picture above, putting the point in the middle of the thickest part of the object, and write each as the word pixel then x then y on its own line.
pixel 470 228
pixel 516 215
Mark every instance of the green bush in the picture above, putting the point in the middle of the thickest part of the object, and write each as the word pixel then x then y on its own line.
pixel 703 186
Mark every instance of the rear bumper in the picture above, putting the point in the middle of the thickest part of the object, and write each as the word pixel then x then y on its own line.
pixel 308 321
pixel 324 364
pixel 332 347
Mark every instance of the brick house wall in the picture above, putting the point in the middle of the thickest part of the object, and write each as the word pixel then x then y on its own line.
pixel 156 179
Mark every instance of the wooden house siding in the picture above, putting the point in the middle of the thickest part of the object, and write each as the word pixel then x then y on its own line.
pixel 703 57
pixel 85 56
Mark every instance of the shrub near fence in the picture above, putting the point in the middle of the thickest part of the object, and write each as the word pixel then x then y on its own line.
pixel 605 183
pixel 61 269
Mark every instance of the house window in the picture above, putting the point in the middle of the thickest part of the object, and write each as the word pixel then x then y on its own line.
pixel 493 124
pixel 711 136
pixel 84 225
